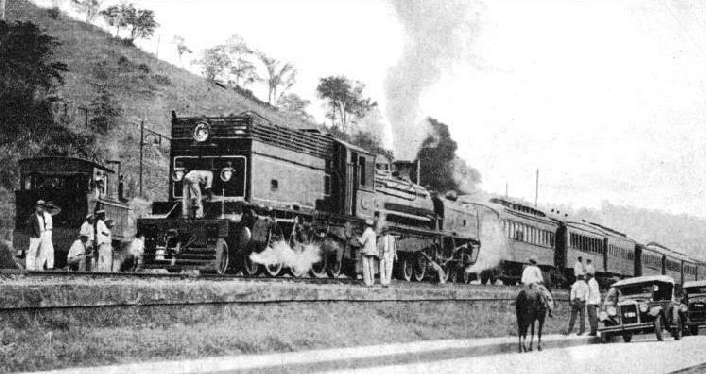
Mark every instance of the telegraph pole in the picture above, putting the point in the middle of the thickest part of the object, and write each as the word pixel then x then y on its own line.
pixel 2 10
pixel 142 144
pixel 536 188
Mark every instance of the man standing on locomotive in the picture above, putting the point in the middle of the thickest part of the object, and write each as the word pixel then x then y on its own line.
pixel 369 252
pixel 35 225
pixel 532 278
pixel 192 196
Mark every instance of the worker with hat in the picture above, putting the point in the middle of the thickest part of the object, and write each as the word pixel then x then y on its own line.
pixel 88 229
pixel 577 299
pixel 35 229
pixel 103 243
pixel 369 253
pixel 593 302
pixel 387 253
pixel 532 278
pixel 77 254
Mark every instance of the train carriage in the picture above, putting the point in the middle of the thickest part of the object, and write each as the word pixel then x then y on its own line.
pixel 529 232
pixel 581 239
pixel 650 261
pixel 76 187
pixel 671 261
pixel 619 254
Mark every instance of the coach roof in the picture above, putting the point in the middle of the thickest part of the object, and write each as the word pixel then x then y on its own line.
pixel 644 279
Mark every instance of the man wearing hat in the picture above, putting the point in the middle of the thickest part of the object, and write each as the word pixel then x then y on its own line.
pixel 35 226
pixel 593 302
pixel 77 254
pixel 577 299
pixel 369 252
pixel 532 278
pixel 387 255
pixel 103 242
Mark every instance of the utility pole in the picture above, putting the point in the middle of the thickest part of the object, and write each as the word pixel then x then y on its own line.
pixel 506 190
pixel 142 144
pixel 2 9
pixel 536 188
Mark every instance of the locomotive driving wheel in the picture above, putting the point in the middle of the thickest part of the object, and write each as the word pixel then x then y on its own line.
pixel 420 267
pixel 406 268
pixel 250 268
pixel 222 259
pixel 275 269
pixel 318 269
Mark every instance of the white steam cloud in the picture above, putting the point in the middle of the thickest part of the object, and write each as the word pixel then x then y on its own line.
pixel 494 243
pixel 436 32
pixel 280 252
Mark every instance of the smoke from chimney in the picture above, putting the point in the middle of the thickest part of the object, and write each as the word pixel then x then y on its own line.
pixel 435 32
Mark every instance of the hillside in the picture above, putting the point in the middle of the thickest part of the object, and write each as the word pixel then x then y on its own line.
pixel 144 87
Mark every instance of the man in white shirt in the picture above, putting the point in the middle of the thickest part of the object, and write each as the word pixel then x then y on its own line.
pixel 579 268
pixel 191 191
pixel 589 268
pixel 369 252
pixel 387 256
pixel 35 227
pixel 532 278
pixel 577 299
pixel 77 254
pixel 46 250
pixel 103 241
pixel 593 303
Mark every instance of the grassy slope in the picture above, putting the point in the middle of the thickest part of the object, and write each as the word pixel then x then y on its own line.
pixel 93 57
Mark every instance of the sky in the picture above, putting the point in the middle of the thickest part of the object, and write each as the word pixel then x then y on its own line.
pixel 606 98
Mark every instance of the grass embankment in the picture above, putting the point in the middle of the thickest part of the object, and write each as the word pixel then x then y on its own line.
pixel 87 337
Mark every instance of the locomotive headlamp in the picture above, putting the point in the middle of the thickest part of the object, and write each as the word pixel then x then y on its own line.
pixel 226 174
pixel 643 308
pixel 201 132
pixel 178 174
pixel 612 311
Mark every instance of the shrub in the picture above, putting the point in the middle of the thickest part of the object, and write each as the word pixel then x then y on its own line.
pixel 162 79
pixel 143 68
pixel 54 12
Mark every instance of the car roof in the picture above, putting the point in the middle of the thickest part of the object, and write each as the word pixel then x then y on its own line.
pixel 699 283
pixel 645 279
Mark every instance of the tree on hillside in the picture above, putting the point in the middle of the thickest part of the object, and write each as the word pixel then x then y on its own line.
pixel 294 104
pixel 279 74
pixel 345 100
pixel 28 73
pixel 89 7
pixel 242 69
pixel 105 112
pixel 141 22
pixel 180 43
pixel 214 63
pixel 116 16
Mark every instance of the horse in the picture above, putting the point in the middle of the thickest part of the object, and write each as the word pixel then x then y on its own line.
pixel 529 307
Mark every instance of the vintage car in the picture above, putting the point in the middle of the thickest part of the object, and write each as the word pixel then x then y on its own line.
pixel 695 300
pixel 642 305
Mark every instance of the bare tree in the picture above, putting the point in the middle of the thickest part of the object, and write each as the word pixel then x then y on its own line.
pixel 181 47
pixel 345 100
pixel 90 7
pixel 279 74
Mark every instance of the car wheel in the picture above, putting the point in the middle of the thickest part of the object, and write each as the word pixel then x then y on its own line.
pixel 693 330
pixel 627 337
pixel 659 328
pixel 605 338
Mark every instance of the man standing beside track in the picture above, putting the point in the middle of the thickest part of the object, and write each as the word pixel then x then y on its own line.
pixel 593 302
pixel 103 242
pixel 387 256
pixel 35 226
pixel 369 252
pixel 579 295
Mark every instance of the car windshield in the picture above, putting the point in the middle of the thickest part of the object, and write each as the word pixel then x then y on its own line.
pixel 656 291
pixel 612 296
pixel 696 290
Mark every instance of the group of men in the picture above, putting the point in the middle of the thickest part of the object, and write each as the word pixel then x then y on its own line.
pixel 94 234
pixel 585 296
pixel 374 249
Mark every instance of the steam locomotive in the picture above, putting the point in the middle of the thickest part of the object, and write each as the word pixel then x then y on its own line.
pixel 264 183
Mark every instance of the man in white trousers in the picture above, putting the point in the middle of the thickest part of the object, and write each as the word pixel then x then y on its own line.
pixel 369 252
pixel 35 228
pixel 46 250
pixel 387 256
pixel 104 243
